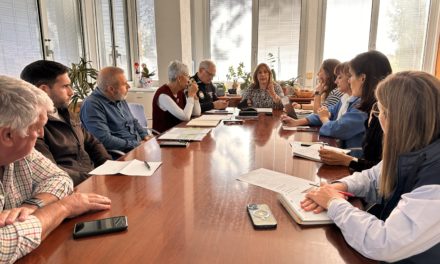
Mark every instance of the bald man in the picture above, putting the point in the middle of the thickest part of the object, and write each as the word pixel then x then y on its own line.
pixel 106 115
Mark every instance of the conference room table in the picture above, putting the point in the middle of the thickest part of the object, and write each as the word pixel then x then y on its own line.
pixel 193 210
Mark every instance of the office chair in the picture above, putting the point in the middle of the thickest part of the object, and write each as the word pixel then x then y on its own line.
pixel 138 112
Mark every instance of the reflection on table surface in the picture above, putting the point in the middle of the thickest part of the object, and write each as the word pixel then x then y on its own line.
pixel 193 210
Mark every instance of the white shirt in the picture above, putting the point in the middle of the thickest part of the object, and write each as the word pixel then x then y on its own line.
pixel 412 227
pixel 192 107
pixel 344 105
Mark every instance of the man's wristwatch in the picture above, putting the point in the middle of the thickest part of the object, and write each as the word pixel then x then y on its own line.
pixel 34 201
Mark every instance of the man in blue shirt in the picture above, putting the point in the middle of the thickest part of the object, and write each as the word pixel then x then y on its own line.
pixel 106 115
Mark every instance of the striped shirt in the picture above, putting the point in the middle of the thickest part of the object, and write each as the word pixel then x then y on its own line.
pixel 24 179
pixel 333 98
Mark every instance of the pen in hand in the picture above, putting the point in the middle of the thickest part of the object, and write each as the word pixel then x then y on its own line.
pixel 341 192
pixel 147 165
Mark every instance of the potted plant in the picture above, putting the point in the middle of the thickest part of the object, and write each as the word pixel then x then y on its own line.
pixel 83 79
pixel 235 75
pixel 146 75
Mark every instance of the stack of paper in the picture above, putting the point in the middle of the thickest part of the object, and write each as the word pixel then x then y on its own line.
pixel 291 191
pixel 298 128
pixel 185 134
pixel 208 120
pixel 311 152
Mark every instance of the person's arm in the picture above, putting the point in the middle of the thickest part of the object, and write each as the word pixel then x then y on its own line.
pixel 313 120
pixel 412 227
pixel 362 164
pixel 96 150
pixel 94 119
pixel 167 104
pixel 197 111
pixel 347 126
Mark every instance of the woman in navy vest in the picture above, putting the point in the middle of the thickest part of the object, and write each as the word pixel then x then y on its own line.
pixel 406 183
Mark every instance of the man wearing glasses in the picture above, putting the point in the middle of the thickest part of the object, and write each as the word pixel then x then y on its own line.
pixel 207 96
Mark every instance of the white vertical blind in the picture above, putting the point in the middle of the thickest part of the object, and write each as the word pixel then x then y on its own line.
pixel 147 35
pixel 64 29
pixel 20 41
pixel 402 32
pixel 278 34
pixel 121 36
pixel 347 28
pixel 231 34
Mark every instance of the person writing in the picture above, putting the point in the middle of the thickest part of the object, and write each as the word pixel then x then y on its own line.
pixel 207 95
pixel 405 182
pixel 170 105
pixel 106 115
pixel 263 92
pixel 35 195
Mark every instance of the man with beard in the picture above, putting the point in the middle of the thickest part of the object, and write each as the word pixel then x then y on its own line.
pixel 106 115
pixel 65 142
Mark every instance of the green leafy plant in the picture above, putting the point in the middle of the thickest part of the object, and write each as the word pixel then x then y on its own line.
pixel 239 73
pixel 83 78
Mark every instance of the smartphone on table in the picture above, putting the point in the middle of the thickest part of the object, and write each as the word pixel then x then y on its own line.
pixel 261 216
pixel 100 226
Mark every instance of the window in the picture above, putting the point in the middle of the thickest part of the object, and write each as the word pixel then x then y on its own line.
pixel 402 32
pixel 278 34
pixel 113 34
pixel 20 41
pixel 147 35
pixel 347 28
pixel 230 34
pixel 64 39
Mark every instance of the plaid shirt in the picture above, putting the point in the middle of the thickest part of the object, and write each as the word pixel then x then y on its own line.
pixel 24 179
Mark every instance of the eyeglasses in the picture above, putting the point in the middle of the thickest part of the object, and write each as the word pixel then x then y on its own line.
pixel 210 73
pixel 375 110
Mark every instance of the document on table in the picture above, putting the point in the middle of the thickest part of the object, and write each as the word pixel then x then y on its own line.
pixel 131 167
pixel 208 120
pixel 291 192
pixel 311 152
pixel 185 134
pixel 264 110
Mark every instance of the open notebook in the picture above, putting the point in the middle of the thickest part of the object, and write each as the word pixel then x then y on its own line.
pixel 291 190
pixel 311 151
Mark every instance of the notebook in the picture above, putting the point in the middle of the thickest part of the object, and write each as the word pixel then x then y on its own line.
pixel 311 152
pixel 291 203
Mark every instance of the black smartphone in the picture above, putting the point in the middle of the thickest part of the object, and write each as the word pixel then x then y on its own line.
pixel 233 122
pixel 288 107
pixel 100 226
pixel 261 216
pixel 181 144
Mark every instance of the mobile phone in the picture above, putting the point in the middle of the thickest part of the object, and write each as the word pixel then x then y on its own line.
pixel 100 226
pixel 181 144
pixel 261 216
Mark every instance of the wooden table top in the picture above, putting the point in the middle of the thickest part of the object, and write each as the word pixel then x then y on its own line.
pixel 193 210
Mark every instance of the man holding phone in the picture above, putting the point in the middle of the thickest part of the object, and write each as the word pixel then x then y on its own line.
pixel 34 193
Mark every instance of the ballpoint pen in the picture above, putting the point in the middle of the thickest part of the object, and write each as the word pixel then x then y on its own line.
pixel 147 165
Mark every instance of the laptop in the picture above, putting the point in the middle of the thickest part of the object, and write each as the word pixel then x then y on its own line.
pixel 288 107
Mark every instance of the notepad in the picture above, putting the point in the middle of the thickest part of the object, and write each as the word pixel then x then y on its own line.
pixel 185 134
pixel 291 190
pixel 311 152
pixel 131 168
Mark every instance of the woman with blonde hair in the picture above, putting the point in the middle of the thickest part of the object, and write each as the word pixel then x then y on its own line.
pixel 406 183
pixel 263 92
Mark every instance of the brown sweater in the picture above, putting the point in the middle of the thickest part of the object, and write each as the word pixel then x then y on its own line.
pixel 71 147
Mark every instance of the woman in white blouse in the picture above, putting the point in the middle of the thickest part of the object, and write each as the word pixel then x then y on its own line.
pixel 171 104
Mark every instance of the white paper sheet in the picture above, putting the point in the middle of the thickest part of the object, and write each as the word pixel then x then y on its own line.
pixel 132 168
